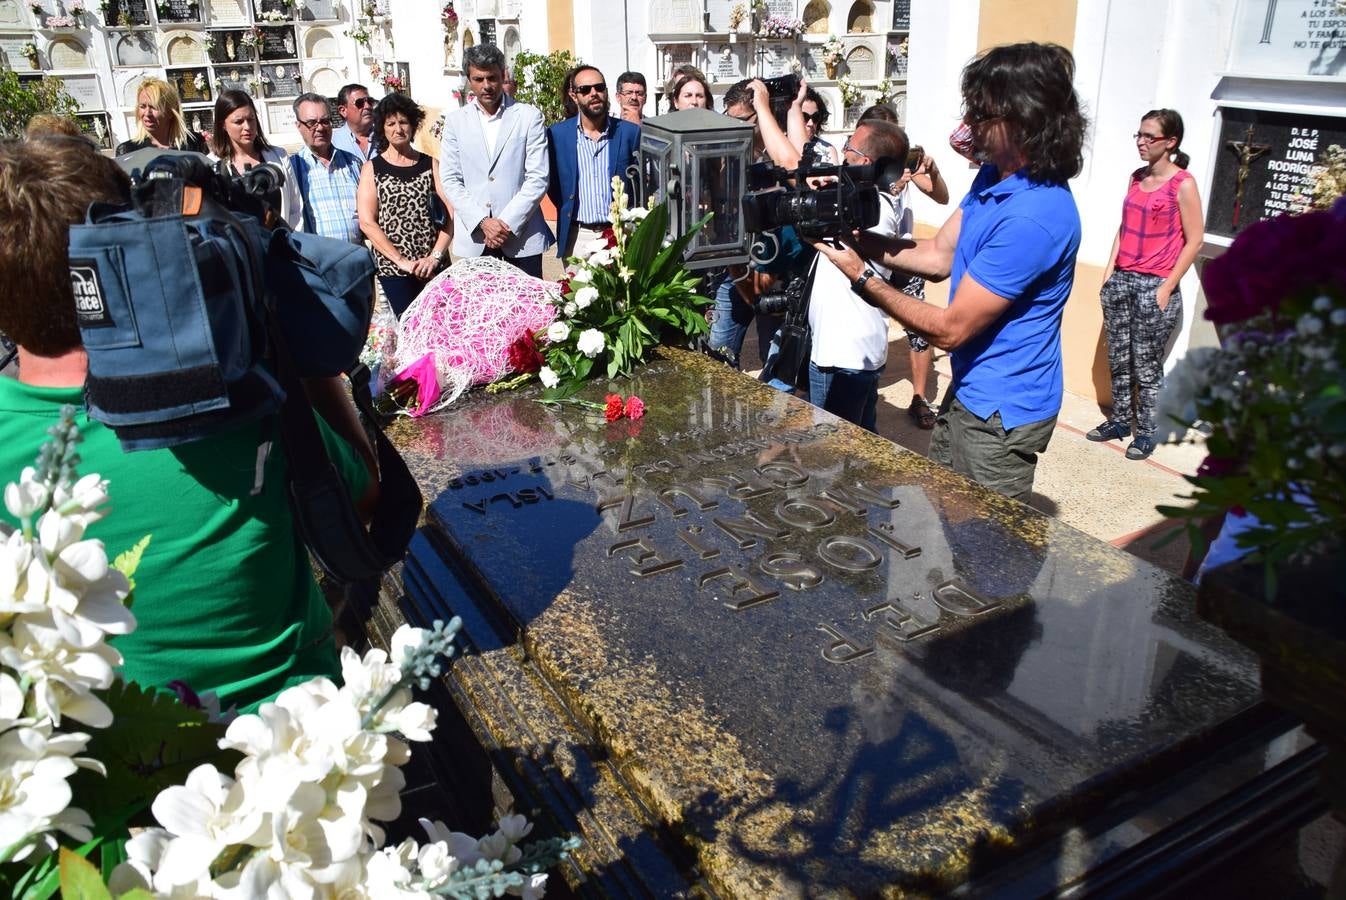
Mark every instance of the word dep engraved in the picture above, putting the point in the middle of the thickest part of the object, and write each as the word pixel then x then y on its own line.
pixel 893 621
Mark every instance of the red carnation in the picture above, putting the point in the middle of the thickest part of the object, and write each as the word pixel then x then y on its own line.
pixel 635 407
pixel 610 236
pixel 523 354
pixel 565 286
pixel 613 410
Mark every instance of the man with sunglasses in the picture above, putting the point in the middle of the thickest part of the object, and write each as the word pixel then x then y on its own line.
pixel 1010 249
pixel 356 137
pixel 585 152
pixel 327 176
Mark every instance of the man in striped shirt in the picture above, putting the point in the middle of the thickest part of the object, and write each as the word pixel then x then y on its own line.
pixel 585 151
pixel 326 175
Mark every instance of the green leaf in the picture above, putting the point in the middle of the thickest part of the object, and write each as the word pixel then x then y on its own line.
pixel 583 366
pixel 644 243
pixel 153 743
pixel 129 560
pixel 80 880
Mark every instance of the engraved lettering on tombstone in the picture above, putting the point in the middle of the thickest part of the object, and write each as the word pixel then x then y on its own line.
pixel 783 474
pixel 691 536
pixel 884 532
pixel 739 583
pixel 960 599
pixel 735 488
pixel 842 649
pixel 791 569
pixel 746 530
pixel 799 512
pixel 647 558
pixel 898 623
pixel 626 517
pixel 854 497
pixel 850 554
pixel 681 490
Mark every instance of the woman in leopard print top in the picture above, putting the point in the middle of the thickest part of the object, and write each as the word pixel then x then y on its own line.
pixel 393 202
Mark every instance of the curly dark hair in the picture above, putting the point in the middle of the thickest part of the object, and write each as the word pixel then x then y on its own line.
pixel 391 105
pixel 1029 86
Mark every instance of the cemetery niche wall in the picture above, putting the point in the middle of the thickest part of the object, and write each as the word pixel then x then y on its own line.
pixel 745 649
pixel 200 46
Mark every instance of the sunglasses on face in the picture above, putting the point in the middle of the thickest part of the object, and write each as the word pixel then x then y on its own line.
pixel 362 102
pixel 816 118
pixel 584 90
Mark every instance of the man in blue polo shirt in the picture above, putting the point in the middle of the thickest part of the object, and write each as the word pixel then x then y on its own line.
pixel 1010 249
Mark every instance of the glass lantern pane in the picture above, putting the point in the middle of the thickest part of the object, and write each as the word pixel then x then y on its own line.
pixel 719 179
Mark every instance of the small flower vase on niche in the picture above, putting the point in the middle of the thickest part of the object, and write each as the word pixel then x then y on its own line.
pixel 831 70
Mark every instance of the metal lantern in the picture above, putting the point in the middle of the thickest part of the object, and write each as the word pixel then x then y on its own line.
pixel 698 161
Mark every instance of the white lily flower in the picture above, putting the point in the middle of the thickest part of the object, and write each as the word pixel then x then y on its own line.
pixel 26 497
pixel 591 342
pixel 558 331
pixel 34 796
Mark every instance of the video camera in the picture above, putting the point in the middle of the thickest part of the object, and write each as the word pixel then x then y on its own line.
pixel 848 201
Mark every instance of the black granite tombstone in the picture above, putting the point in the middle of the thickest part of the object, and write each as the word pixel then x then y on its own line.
pixel 277 43
pixel 746 649
pixel 1265 165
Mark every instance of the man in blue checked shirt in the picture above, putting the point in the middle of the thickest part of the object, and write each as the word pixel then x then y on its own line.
pixel 326 175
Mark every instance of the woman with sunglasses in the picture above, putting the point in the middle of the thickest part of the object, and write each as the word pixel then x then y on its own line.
pixel 1157 243
pixel 815 113
pixel 238 145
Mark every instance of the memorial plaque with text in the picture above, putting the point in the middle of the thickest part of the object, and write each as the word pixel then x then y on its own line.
pixel 234 79
pixel 727 63
pixel 1289 37
pixel 135 48
pixel 286 80
pixel 228 12
pixel 193 85
pixel 180 11
pixel 278 43
pixel 12 14
pixel 776 59
pixel 201 120
pixel 785 9
pixel 127 13
pixel 828 666
pixel 273 7
pixel 1265 165
pixel 901 15
pixel 11 50
pixel 86 91
pixel 98 128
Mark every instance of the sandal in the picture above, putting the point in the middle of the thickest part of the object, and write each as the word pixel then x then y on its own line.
pixel 921 413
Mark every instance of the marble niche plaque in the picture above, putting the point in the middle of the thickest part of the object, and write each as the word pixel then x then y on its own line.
pixel 786 9
pixel 1266 165
pixel 227 47
pixel 286 79
pixel 1289 37
pixel 901 15
pixel 86 91
pixel 676 17
pixel 180 11
pixel 233 78
pixel 318 11
pixel 280 121
pixel 727 63
pixel 228 12
pixel 717 13
pixel 135 48
pixel 126 13
pixel 776 59
pixel 813 62
pixel 263 7
pixel 830 666
pixel 278 43
pixel 185 50
pixel 11 14
pixel 11 47
pixel 860 64
pixel 201 120
pixel 68 53
pixel 326 81
pixel 96 126
pixel 193 85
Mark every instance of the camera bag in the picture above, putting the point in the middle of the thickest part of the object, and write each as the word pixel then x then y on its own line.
pixel 196 319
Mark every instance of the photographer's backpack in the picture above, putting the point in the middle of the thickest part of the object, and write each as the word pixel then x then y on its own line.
pixel 196 319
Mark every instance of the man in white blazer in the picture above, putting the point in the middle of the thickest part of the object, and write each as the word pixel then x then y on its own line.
pixel 493 160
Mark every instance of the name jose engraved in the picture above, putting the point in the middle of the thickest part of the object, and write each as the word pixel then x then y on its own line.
pixel 805 529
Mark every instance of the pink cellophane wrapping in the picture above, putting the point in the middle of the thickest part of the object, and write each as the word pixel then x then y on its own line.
pixel 468 316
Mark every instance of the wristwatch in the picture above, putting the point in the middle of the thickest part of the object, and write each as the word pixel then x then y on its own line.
pixel 858 285
pixel 438 256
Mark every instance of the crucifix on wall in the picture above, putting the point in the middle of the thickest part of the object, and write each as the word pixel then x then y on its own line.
pixel 1247 152
pixel 1268 22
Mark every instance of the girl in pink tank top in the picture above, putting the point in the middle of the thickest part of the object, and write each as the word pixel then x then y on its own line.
pixel 1157 242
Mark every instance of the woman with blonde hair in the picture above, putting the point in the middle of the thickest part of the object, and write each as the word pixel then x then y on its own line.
pixel 238 144
pixel 159 121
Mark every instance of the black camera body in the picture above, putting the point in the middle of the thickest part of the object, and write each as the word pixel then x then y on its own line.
pixel 849 201
pixel 791 299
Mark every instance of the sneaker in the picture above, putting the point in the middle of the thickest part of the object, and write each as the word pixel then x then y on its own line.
pixel 1141 447
pixel 1109 431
